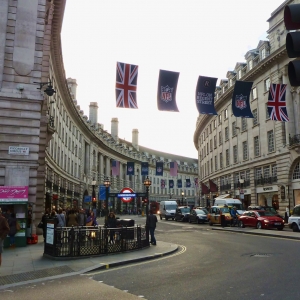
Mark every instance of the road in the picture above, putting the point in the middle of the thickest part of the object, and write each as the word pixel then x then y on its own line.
pixel 210 265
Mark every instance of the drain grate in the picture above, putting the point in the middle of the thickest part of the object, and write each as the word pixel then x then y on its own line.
pixel 260 255
pixel 32 275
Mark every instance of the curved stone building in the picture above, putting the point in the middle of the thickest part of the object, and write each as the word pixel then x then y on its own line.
pixel 66 155
pixel 256 160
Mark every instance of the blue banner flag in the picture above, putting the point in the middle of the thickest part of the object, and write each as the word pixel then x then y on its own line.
pixel 188 183
pixel 166 91
pixel 205 94
pixel 179 183
pixel 130 168
pixel 145 168
pixel 159 168
pixel 171 184
pixel 102 192
pixel 240 99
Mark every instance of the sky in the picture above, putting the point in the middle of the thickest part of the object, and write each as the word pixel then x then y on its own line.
pixel 193 37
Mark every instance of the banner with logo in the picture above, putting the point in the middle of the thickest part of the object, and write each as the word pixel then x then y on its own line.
pixel 179 183
pixel 188 183
pixel 130 168
pixel 166 91
pixel 205 94
pixel 241 99
pixel 171 184
pixel 159 168
pixel 145 168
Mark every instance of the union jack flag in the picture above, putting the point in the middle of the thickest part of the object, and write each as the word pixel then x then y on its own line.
pixel 126 83
pixel 276 103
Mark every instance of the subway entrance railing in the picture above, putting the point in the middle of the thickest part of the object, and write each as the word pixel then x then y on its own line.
pixel 68 242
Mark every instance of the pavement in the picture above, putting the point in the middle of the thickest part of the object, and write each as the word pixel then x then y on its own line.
pixel 27 264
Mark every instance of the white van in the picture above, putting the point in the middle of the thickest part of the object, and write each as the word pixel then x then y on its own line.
pixel 231 202
pixel 167 209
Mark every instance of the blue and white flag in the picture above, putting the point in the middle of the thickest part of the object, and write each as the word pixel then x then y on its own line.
pixel 240 99
pixel 130 168
pixel 145 168
pixel 159 168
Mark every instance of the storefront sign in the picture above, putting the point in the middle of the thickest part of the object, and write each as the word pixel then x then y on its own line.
pixel 13 193
pixel 50 233
pixel 266 189
pixel 13 150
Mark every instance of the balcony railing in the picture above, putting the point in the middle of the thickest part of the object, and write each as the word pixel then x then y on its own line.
pixel 225 187
pixel 242 185
pixel 265 180
pixel 295 140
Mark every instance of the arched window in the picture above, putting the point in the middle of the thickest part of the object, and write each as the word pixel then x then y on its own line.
pixel 296 173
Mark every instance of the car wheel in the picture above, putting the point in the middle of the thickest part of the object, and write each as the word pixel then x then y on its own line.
pixel 241 224
pixel 172 219
pixel 295 227
pixel 167 219
pixel 280 228
pixel 190 221
pixel 160 217
pixel 198 221
pixel 258 225
pixel 175 220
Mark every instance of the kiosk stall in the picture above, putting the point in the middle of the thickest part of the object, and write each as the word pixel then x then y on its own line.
pixel 14 199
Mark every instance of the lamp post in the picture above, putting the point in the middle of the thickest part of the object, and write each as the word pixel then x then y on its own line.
pixel 107 185
pixel 182 194
pixel 147 183
pixel 94 194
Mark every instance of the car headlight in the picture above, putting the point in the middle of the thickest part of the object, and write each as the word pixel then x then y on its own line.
pixel 158 212
pixel 266 221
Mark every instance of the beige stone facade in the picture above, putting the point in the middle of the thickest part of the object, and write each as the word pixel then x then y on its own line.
pixel 262 152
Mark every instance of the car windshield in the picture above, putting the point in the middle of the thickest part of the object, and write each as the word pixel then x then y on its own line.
pixel 200 212
pixel 185 210
pixel 238 206
pixel 225 209
pixel 171 207
pixel 265 213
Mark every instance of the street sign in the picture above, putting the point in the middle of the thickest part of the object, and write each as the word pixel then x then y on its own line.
pixel 130 193
pixel 87 199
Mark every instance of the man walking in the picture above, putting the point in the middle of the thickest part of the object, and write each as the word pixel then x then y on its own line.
pixel 4 230
pixel 151 223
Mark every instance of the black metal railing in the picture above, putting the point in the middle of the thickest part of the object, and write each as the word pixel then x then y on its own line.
pixel 266 180
pixel 86 241
pixel 243 185
pixel 225 187
pixel 295 140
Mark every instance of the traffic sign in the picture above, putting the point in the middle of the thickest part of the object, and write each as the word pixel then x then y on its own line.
pixel 130 193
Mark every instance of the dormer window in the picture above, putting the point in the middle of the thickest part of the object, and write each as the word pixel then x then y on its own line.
pixel 263 53
pixel 250 65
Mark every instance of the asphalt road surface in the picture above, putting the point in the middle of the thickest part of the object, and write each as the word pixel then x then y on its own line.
pixel 209 265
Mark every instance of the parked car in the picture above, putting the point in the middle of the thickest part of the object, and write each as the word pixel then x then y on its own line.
pixel 198 216
pixel 294 219
pixel 261 219
pixel 267 208
pixel 203 208
pixel 182 213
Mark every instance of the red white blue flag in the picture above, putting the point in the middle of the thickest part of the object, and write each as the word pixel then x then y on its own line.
pixel 196 182
pixel 115 168
pixel 126 84
pixel 173 168
pixel 276 103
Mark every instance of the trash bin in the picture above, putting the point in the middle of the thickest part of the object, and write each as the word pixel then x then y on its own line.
pixel 127 233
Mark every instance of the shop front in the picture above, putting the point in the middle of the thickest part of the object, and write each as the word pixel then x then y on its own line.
pixel 268 196
pixel 244 195
pixel 14 201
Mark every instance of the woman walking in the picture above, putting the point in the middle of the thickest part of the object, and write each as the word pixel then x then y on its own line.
pixel 111 222
pixel 12 222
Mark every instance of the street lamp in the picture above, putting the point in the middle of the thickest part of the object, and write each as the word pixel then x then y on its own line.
pixel 182 194
pixel 147 183
pixel 107 185
pixel 94 194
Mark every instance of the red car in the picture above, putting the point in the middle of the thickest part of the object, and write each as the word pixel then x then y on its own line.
pixel 261 219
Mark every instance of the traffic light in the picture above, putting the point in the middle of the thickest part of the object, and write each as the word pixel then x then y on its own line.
pixel 94 199
pixel 292 22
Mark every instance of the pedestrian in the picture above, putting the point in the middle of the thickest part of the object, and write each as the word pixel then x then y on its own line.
pixel 151 224
pixel 61 218
pixel 72 219
pixel 81 218
pixel 287 214
pixel 4 230
pixel 91 219
pixel 12 223
pixel 45 216
pixel 111 222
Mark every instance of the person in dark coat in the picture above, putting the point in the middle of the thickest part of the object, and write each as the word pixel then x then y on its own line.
pixel 151 224
pixel 12 222
pixel 111 222
pixel 45 216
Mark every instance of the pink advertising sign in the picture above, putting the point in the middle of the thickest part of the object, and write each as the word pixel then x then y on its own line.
pixel 13 193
